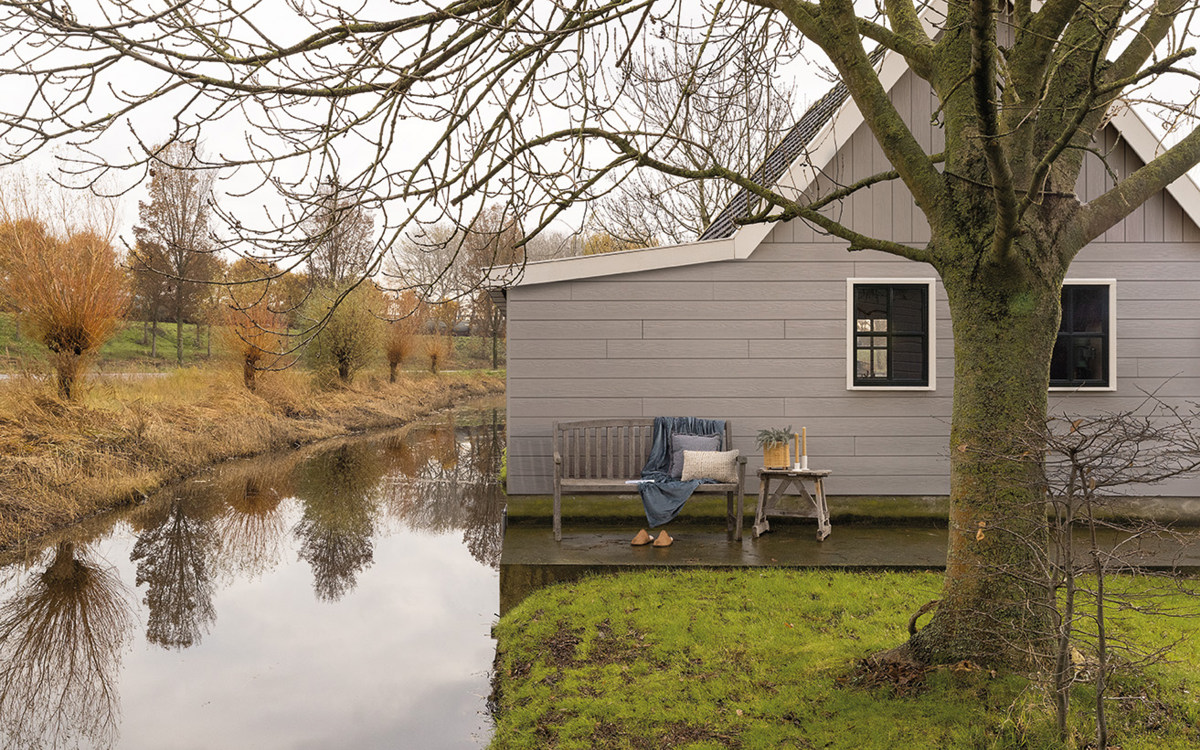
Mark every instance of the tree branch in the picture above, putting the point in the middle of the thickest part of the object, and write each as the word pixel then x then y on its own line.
pixel 983 69
pixel 1101 214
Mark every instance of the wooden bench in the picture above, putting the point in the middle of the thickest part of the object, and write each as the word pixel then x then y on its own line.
pixel 599 456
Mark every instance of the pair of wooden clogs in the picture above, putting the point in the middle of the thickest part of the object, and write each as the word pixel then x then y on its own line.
pixel 643 538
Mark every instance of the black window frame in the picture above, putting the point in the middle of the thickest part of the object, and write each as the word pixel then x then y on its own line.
pixel 890 333
pixel 1070 336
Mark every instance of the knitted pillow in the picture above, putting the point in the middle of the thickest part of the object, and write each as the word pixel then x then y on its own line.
pixel 681 442
pixel 720 466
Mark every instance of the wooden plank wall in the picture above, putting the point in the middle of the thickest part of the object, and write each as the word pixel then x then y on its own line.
pixel 762 342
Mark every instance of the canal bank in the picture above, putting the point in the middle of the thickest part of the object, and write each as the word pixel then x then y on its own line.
pixel 61 462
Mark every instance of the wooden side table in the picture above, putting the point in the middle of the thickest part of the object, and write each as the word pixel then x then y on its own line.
pixel 769 502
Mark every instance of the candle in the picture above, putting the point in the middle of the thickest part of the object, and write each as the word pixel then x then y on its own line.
pixel 796 443
pixel 804 432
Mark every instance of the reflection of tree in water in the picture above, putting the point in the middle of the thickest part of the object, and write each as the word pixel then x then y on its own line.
pixel 61 639
pixel 444 478
pixel 172 555
pixel 251 525
pixel 335 531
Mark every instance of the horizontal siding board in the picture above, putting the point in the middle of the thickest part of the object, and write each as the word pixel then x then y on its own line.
pixel 1132 271
pixel 1168 367
pixel 872 403
pixel 694 387
pixel 576 408
pixel 672 368
pixel 1155 309
pixel 819 427
pixel 642 289
pixel 780 290
pixel 680 310
pixel 575 330
pixel 555 291
pixel 901 445
pixel 661 350
pixel 714 408
pixel 1122 252
pixel 713 329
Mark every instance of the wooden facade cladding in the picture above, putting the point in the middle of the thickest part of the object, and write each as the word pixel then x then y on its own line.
pixel 762 341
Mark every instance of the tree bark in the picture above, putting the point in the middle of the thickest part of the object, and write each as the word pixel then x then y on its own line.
pixel 179 323
pixel 1005 321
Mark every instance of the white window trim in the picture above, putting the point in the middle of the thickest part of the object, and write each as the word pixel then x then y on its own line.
pixel 932 324
pixel 1112 339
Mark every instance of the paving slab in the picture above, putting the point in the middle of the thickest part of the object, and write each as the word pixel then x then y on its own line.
pixel 532 559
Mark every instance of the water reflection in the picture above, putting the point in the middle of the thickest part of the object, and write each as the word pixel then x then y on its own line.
pixel 62 635
pixel 335 533
pixel 327 519
pixel 252 526
pixel 172 554
pixel 444 479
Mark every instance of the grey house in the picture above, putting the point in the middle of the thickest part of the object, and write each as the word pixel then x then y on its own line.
pixel 757 324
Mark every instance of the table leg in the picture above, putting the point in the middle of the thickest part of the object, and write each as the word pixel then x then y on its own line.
pixel 760 520
pixel 824 528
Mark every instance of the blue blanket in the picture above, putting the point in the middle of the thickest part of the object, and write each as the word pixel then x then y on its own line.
pixel 663 497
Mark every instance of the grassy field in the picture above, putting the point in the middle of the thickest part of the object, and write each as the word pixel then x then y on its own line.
pixel 129 350
pixel 121 438
pixel 766 659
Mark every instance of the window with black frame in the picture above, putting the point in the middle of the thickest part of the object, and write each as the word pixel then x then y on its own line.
pixel 891 334
pixel 1081 351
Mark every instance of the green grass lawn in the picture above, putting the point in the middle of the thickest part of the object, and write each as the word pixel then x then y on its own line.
pixel 129 349
pixel 123 352
pixel 764 659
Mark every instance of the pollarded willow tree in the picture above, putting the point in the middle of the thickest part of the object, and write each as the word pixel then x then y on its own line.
pixel 433 109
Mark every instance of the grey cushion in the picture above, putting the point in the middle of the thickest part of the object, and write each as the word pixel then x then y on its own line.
pixel 720 466
pixel 681 443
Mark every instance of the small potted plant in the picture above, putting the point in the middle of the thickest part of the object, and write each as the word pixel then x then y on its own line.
pixel 774 444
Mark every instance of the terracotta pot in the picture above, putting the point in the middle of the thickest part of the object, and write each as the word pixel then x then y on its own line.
pixel 776 456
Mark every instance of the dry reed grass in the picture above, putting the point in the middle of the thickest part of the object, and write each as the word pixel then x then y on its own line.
pixel 62 461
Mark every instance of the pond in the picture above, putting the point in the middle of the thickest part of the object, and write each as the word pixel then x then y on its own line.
pixel 337 596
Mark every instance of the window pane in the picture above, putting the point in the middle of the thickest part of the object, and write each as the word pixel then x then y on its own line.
pixel 862 365
pixel 908 309
pixel 908 358
pixel 862 324
pixel 1059 369
pixel 870 301
pixel 1089 309
pixel 1087 362
pixel 881 368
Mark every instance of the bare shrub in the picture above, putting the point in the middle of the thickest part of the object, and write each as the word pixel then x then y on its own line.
pixel 253 322
pixel 401 335
pixel 435 349
pixel 251 333
pixel 347 331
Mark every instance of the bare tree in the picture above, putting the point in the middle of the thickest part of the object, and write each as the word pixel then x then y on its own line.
pixel 530 104
pixel 341 236
pixel 734 115
pixel 62 635
pixel 173 234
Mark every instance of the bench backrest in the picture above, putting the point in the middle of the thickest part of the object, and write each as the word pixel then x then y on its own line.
pixel 607 448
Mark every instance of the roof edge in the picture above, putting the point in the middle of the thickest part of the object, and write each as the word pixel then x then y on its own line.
pixel 611 264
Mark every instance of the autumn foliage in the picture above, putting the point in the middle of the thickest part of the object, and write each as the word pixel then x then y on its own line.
pixel 255 319
pixel 401 336
pixel 69 291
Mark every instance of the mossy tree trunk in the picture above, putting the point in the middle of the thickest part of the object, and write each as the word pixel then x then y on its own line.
pixel 1004 319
